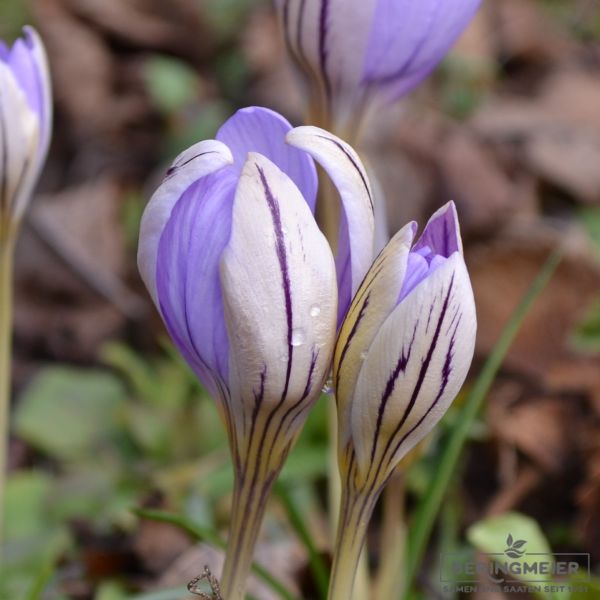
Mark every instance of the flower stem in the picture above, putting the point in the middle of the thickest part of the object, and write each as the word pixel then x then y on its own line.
pixel 249 504
pixel 6 269
pixel 352 529
pixel 393 542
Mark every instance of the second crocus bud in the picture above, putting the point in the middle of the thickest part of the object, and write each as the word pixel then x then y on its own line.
pixel 357 54
pixel 402 355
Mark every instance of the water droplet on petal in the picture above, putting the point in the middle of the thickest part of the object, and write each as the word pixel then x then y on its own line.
pixel 315 310
pixel 298 337
pixel 328 387
pixel 363 355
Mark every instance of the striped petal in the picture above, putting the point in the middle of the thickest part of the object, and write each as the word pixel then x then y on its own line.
pixel 373 303
pixel 19 138
pixel 414 368
pixel 357 227
pixel 257 129
pixel 189 167
pixel 328 41
pixel 279 291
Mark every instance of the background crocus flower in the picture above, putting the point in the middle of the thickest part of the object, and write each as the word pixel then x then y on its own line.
pixel 248 288
pixel 358 53
pixel 25 123
pixel 402 355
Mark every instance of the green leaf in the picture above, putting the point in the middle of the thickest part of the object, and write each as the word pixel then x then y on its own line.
pixel 428 509
pixel 489 537
pixel 171 83
pixel 111 590
pixel 586 336
pixel 298 522
pixel 67 412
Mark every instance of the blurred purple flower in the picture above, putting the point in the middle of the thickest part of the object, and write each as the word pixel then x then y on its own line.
pixel 359 53
pixel 25 122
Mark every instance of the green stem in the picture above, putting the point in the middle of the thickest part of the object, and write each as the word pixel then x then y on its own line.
pixel 432 500
pixel 317 565
pixel 249 505
pixel 393 540
pixel 351 534
pixel 6 295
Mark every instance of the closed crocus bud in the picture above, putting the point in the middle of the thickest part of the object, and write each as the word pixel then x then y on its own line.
pixel 360 53
pixel 247 286
pixel 25 124
pixel 402 356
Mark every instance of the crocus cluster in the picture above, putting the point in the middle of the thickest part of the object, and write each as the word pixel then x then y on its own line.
pixel 359 54
pixel 25 124
pixel 253 297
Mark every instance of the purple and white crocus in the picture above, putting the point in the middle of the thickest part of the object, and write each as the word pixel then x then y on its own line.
pixel 250 291
pixel 402 356
pixel 25 124
pixel 358 54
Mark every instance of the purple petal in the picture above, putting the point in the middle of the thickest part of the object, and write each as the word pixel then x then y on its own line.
pixel 27 61
pixel 417 269
pixel 4 52
pixel 441 234
pixel 263 131
pixel 409 38
pixel 187 273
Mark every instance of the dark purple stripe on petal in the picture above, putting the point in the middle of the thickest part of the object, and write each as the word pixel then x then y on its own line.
pixel 421 378
pixel 299 404
pixel 355 327
pixel 446 372
pixel 172 169
pixel 323 27
pixel 285 276
pixel 354 164
pixel 390 386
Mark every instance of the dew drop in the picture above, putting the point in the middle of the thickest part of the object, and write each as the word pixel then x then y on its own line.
pixel 363 355
pixel 328 387
pixel 315 310
pixel 298 337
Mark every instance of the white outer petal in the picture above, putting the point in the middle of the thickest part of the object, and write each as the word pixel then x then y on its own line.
pixel 344 167
pixel 372 305
pixel 194 163
pixel 19 137
pixel 440 309
pixel 274 236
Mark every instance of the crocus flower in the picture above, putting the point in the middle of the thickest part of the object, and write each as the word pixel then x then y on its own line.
pixel 247 286
pixel 25 124
pixel 402 355
pixel 359 53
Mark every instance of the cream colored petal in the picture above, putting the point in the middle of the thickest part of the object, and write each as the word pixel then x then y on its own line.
pixel 415 367
pixel 373 303
pixel 279 292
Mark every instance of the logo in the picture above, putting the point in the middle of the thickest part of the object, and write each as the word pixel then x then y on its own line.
pixel 514 547
pixel 515 570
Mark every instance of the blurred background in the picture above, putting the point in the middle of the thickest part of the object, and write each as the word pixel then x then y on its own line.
pixel 106 417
